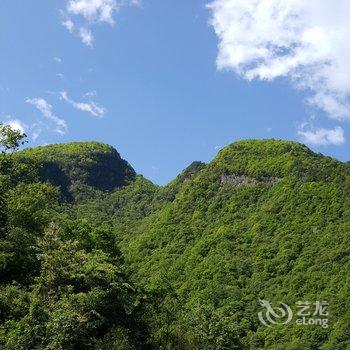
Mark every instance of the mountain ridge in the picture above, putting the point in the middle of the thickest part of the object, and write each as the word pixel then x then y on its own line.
pixel 264 220
pixel 254 148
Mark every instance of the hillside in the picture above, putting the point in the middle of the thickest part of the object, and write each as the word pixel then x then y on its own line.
pixel 265 220
pixel 78 164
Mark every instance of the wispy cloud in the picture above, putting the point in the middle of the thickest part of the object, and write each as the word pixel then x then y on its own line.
pixel 90 106
pixel 322 137
pixel 69 25
pixel 58 59
pixel 35 131
pixel 86 36
pixel 305 41
pixel 89 13
pixel 46 110
pixel 90 94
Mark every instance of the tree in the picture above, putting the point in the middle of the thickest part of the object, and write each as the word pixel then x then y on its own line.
pixel 79 301
pixel 11 139
pixel 24 204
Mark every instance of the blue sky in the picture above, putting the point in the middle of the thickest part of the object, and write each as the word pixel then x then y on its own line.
pixel 149 85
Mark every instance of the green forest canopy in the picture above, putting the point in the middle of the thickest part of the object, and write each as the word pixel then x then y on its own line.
pixel 93 256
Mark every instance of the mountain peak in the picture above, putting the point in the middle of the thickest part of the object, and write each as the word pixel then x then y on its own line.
pixel 92 164
pixel 276 158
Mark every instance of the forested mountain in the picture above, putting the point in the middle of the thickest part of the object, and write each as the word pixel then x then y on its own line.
pixel 79 165
pixel 93 256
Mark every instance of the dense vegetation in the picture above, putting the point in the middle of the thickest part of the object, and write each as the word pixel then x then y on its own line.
pixel 64 284
pixel 80 166
pixel 108 260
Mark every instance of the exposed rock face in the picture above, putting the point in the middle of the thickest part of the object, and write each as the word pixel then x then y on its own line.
pixel 242 180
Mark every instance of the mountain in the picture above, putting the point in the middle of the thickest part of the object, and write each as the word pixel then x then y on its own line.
pixel 79 164
pixel 266 221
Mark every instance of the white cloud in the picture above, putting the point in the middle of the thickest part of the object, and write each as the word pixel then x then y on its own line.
pixel 306 41
pixel 36 133
pixel 90 94
pixel 69 25
pixel 90 107
pixel 46 109
pixel 93 10
pixel 33 131
pixel 90 12
pixel 86 36
pixel 16 124
pixel 322 137
pixel 58 59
